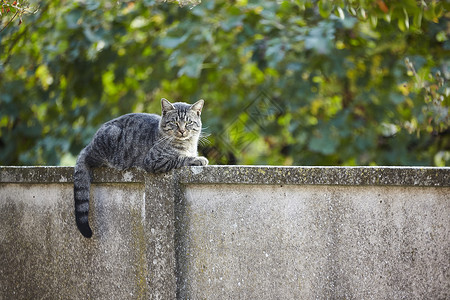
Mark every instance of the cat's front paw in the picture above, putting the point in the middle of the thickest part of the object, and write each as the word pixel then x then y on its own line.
pixel 199 161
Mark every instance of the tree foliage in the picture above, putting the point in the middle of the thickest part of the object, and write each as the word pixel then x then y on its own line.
pixel 303 82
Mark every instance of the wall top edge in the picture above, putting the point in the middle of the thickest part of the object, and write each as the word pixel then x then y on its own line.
pixel 269 175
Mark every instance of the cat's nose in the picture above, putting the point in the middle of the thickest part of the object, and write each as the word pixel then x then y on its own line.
pixel 181 128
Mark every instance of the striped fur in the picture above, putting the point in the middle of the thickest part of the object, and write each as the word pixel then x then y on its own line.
pixel 147 141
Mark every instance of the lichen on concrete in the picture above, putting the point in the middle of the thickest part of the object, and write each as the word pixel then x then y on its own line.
pixel 397 176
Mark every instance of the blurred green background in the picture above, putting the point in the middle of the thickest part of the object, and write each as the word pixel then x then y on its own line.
pixel 303 82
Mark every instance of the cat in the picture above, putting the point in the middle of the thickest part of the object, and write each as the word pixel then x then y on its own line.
pixel 146 141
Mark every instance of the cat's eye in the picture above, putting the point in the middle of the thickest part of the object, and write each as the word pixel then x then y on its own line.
pixel 190 122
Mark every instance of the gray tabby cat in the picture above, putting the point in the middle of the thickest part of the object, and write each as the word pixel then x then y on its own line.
pixel 147 141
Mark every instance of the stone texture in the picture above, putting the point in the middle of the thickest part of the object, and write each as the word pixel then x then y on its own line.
pixel 159 199
pixel 314 242
pixel 43 256
pixel 407 176
pixel 228 232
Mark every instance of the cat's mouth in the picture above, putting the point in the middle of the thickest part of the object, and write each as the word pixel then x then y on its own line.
pixel 181 136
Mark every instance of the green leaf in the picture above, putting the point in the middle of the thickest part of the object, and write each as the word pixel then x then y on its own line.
pixel 417 20
pixel 373 20
pixel 173 42
pixel 340 13
pixel 325 8
pixel 232 22
pixel 72 18
pixel 406 19
pixel 193 66
pixel 323 142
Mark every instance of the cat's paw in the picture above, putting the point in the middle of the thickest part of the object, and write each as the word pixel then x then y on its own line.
pixel 199 161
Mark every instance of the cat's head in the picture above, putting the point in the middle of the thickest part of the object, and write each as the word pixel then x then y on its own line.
pixel 181 120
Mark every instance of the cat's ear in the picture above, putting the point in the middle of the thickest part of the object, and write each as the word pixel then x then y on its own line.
pixel 197 106
pixel 166 106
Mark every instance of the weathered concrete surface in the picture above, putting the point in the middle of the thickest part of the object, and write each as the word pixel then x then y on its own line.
pixel 314 242
pixel 159 212
pixel 228 233
pixel 313 233
pixel 43 256
pixel 390 176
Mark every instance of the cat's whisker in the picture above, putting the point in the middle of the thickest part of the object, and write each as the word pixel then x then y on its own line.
pixel 204 132
pixel 204 141
pixel 163 141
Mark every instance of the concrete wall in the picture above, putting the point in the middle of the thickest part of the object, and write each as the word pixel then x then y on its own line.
pixel 228 233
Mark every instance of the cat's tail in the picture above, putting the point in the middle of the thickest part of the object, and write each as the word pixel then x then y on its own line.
pixel 81 188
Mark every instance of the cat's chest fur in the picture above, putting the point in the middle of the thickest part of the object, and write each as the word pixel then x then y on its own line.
pixel 187 148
